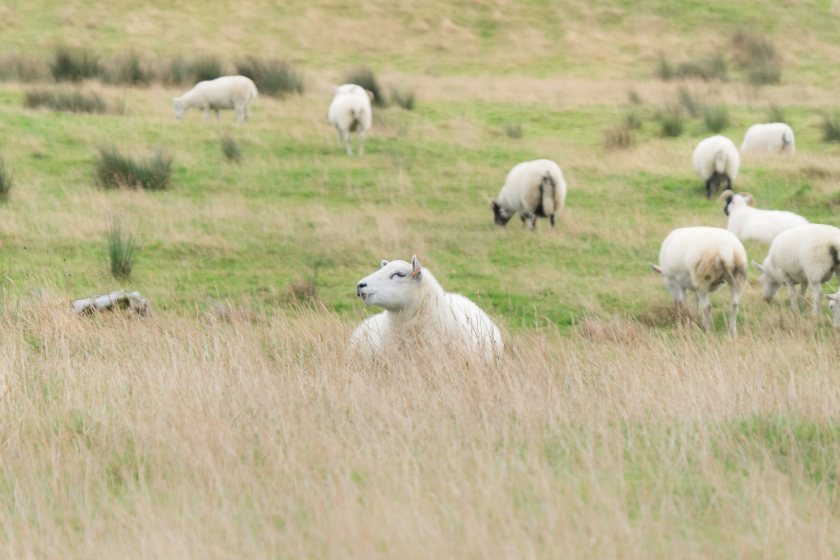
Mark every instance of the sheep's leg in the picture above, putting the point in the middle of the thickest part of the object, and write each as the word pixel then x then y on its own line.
pixel 709 187
pixel 705 304
pixel 218 115
pixel 816 295
pixel 794 298
pixel 205 113
pixel 551 221
pixel 241 115
pixel 345 137
pixel 733 312
pixel 362 143
pixel 528 219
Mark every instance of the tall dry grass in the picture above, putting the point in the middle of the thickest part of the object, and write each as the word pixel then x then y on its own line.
pixel 240 434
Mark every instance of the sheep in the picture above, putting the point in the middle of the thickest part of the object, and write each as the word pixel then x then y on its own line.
pixel 227 92
pixel 350 112
pixel 749 223
pixel 770 138
pixel 700 259
pixel 806 255
pixel 418 310
pixel 532 188
pixel 716 160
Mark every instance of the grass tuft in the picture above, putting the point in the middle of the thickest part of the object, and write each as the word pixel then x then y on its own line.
pixel 404 99
pixel 70 101
pixel 74 65
pixel 671 121
pixel 831 127
pixel 231 149
pixel 365 77
pixel 127 69
pixel 182 71
pixel 5 181
pixel 513 130
pixel 122 250
pixel 690 102
pixel 14 68
pixel 620 137
pixel 114 170
pixel 758 58
pixel 272 77
pixel 716 117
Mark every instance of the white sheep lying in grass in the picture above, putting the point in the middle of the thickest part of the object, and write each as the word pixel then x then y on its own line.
pixel 770 138
pixel 532 188
pixel 700 259
pixel 749 223
pixel 227 92
pixel 349 112
pixel 716 161
pixel 418 311
pixel 808 255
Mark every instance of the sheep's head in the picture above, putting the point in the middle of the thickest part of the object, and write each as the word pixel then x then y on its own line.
pixel 501 215
pixel 393 286
pixel 732 200
pixel 834 308
pixel 180 107
pixel 769 285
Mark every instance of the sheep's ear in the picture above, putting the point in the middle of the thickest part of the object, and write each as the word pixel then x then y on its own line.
pixel 494 205
pixel 749 198
pixel 725 195
pixel 383 264
pixel 758 266
pixel 655 268
pixel 416 269
pixel 370 94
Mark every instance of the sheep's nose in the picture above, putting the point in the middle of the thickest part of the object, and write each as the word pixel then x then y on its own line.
pixel 359 287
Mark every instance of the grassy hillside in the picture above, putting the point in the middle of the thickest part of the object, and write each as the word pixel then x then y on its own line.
pixel 232 422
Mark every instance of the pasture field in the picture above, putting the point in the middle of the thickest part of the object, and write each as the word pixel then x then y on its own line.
pixel 233 423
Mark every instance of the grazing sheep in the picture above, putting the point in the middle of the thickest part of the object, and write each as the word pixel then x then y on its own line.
pixel 770 138
pixel 700 259
pixel 532 188
pixel 716 161
pixel 350 112
pixel 808 255
pixel 227 92
pixel 417 310
pixel 834 307
pixel 749 223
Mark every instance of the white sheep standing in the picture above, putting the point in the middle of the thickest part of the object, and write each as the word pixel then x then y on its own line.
pixel 716 161
pixel 700 259
pixel 416 306
pixel 349 112
pixel 808 255
pixel 532 188
pixel 770 138
pixel 749 223
pixel 227 92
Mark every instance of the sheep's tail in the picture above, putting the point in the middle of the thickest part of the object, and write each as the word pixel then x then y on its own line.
pixel 721 160
pixel 786 140
pixel 548 192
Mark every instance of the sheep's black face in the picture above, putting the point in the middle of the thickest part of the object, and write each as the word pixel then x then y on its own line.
pixel 728 202
pixel 501 216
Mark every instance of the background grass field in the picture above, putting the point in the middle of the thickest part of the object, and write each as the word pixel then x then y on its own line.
pixel 232 422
